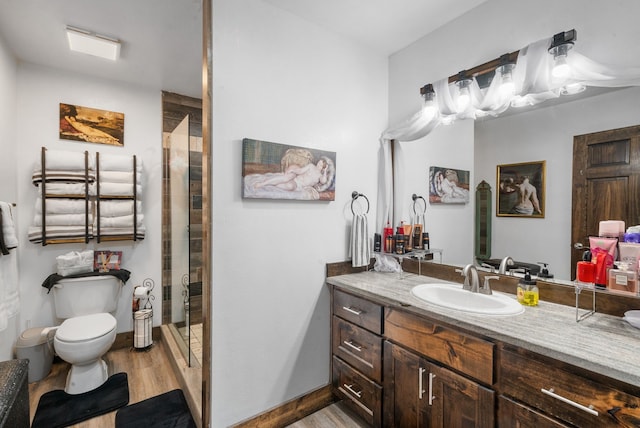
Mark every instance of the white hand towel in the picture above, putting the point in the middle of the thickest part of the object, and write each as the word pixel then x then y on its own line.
pixel 119 189
pixel 8 229
pixel 360 248
pixel 67 189
pixel 9 295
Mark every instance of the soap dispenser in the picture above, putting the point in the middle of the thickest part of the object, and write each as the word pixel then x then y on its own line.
pixel 528 293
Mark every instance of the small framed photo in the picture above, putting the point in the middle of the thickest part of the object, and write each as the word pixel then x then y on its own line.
pixel 521 189
pixel 104 261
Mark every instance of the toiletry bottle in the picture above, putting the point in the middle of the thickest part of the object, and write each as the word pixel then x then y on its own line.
pixel 408 242
pixel 623 279
pixel 425 240
pixel 417 236
pixel 528 293
pixel 377 242
pixel 586 270
pixel 386 236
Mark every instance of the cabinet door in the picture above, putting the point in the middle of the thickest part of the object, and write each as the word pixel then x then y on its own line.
pixel 459 402
pixel 405 399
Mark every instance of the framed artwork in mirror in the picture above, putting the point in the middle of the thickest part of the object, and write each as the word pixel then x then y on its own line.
pixel 448 185
pixel 520 189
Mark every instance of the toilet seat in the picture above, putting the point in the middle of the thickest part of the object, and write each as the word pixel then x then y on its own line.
pixel 86 327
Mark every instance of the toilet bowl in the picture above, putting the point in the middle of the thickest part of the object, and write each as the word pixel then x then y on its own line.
pixel 86 304
pixel 82 341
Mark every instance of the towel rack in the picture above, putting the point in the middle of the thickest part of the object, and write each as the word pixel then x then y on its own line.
pixel 355 195
pixel 415 200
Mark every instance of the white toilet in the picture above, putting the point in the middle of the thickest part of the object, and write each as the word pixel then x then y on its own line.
pixel 89 329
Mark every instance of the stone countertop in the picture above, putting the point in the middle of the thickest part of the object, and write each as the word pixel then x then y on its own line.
pixel 600 343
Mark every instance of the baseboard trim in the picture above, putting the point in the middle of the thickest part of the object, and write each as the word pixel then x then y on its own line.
pixel 292 410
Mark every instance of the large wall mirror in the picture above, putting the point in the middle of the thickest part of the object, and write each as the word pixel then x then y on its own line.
pixel 544 133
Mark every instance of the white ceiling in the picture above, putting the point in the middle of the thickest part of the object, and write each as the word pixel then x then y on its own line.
pixel 161 39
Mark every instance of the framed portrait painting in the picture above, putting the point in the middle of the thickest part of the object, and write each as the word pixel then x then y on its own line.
pixel 448 185
pixel 521 189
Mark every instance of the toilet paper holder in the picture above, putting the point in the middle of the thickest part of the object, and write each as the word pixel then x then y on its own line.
pixel 142 296
pixel 143 315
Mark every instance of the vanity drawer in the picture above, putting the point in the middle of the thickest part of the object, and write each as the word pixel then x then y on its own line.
pixel 361 394
pixel 515 415
pixel 464 353
pixel 359 311
pixel 358 347
pixel 569 396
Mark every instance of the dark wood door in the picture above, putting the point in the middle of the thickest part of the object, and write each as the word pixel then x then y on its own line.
pixel 404 374
pixel 606 183
pixel 419 393
pixel 458 402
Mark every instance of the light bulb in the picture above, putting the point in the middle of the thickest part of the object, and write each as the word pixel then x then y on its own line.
pixel 463 99
pixel 561 69
pixel 429 112
pixel 507 86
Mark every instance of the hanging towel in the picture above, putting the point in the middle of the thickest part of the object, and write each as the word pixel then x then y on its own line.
pixel 360 249
pixel 8 229
pixel 9 296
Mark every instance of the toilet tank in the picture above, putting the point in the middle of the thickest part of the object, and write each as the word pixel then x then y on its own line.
pixel 86 295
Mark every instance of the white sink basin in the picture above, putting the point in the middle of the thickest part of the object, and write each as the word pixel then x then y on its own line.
pixel 452 296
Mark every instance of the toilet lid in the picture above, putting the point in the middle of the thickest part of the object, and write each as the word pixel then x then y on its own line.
pixel 85 327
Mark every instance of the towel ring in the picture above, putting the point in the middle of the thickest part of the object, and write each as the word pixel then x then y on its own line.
pixel 415 199
pixel 355 195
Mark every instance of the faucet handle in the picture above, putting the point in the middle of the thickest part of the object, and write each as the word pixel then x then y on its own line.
pixel 486 288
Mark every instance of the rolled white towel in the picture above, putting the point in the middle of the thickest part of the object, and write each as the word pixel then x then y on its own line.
pixel 119 189
pixel 116 208
pixel 62 220
pixel 119 163
pixel 67 189
pixel 61 206
pixel 8 228
pixel 65 160
pixel 121 221
pixel 120 177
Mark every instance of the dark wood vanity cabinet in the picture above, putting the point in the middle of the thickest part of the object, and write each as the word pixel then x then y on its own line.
pixel 567 393
pixel 421 393
pixel 357 355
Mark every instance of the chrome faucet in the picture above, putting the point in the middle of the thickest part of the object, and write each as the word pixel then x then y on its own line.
pixel 507 261
pixel 486 289
pixel 471 281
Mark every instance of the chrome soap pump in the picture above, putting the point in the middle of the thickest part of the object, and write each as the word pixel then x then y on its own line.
pixel 528 293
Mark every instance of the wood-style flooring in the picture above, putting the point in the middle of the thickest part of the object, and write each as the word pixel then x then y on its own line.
pixel 334 416
pixel 149 373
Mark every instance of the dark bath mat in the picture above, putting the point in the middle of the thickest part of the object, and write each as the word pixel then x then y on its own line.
pixel 162 411
pixel 59 409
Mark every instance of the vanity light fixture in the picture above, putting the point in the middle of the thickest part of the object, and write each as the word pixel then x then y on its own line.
pixel 90 43
pixel 560 46
pixel 429 108
pixel 505 71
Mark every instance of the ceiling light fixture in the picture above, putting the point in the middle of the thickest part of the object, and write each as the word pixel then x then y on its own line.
pixel 93 44
pixel 505 70
pixel 464 96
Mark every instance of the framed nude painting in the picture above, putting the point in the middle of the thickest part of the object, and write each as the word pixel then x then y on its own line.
pixel 521 189
pixel 280 171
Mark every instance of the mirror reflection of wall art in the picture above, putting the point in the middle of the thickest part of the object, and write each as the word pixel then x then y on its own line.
pixel 279 171
pixel 520 189
pixel 448 185
pixel 91 125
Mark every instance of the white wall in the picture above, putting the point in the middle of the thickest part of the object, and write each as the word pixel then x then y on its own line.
pixel 39 92
pixel 8 190
pixel 608 35
pixel 281 79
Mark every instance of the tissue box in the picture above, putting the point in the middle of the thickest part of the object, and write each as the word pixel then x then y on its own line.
pixel 75 262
